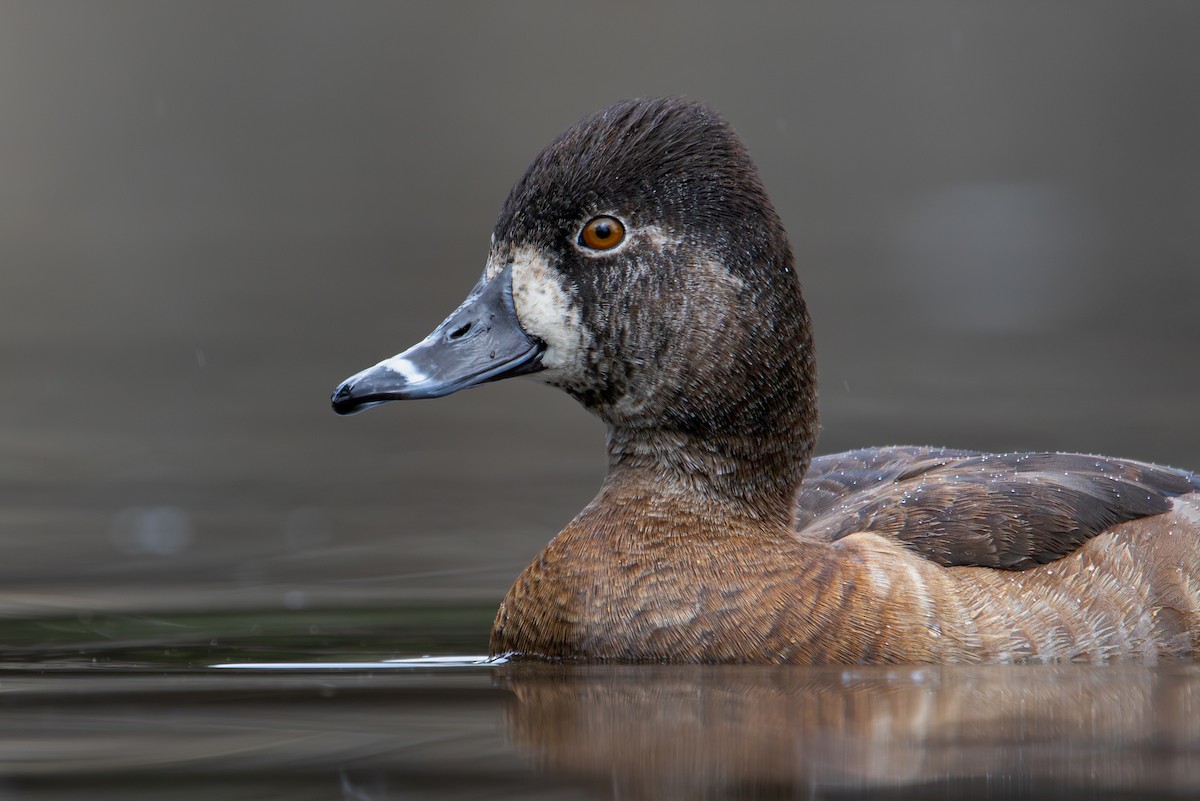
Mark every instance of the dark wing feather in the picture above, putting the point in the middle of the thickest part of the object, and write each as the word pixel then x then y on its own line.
pixel 832 479
pixel 1010 511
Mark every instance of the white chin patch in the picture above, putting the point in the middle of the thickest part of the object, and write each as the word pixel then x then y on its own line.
pixel 545 311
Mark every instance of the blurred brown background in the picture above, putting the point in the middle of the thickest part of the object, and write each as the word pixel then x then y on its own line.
pixel 212 212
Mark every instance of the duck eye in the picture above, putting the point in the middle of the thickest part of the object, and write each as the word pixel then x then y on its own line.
pixel 602 233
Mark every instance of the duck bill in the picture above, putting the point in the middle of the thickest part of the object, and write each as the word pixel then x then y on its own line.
pixel 481 341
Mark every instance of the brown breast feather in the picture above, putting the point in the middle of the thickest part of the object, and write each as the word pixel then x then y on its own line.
pixel 1009 511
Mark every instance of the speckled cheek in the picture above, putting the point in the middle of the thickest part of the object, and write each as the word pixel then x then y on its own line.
pixel 546 311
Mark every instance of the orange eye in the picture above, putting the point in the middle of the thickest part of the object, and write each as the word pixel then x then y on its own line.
pixel 602 233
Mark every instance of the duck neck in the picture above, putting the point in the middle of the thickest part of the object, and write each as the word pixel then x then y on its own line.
pixel 745 462
pixel 711 475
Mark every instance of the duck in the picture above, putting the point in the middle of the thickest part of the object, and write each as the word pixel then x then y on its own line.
pixel 639 266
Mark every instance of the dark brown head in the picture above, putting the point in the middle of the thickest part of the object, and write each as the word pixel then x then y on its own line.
pixel 649 276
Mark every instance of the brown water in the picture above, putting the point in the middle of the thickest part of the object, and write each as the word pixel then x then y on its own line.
pixel 212 213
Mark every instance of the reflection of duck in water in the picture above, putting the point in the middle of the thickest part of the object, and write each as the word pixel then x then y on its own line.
pixel 687 731
pixel 640 266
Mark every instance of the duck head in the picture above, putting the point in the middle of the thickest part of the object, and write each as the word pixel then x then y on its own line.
pixel 639 266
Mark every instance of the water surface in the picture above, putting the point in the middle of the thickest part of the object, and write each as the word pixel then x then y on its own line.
pixel 163 710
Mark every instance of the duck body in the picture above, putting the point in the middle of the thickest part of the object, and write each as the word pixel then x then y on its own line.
pixel 639 266
pixel 840 587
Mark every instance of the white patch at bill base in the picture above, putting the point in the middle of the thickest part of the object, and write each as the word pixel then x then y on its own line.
pixel 544 310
